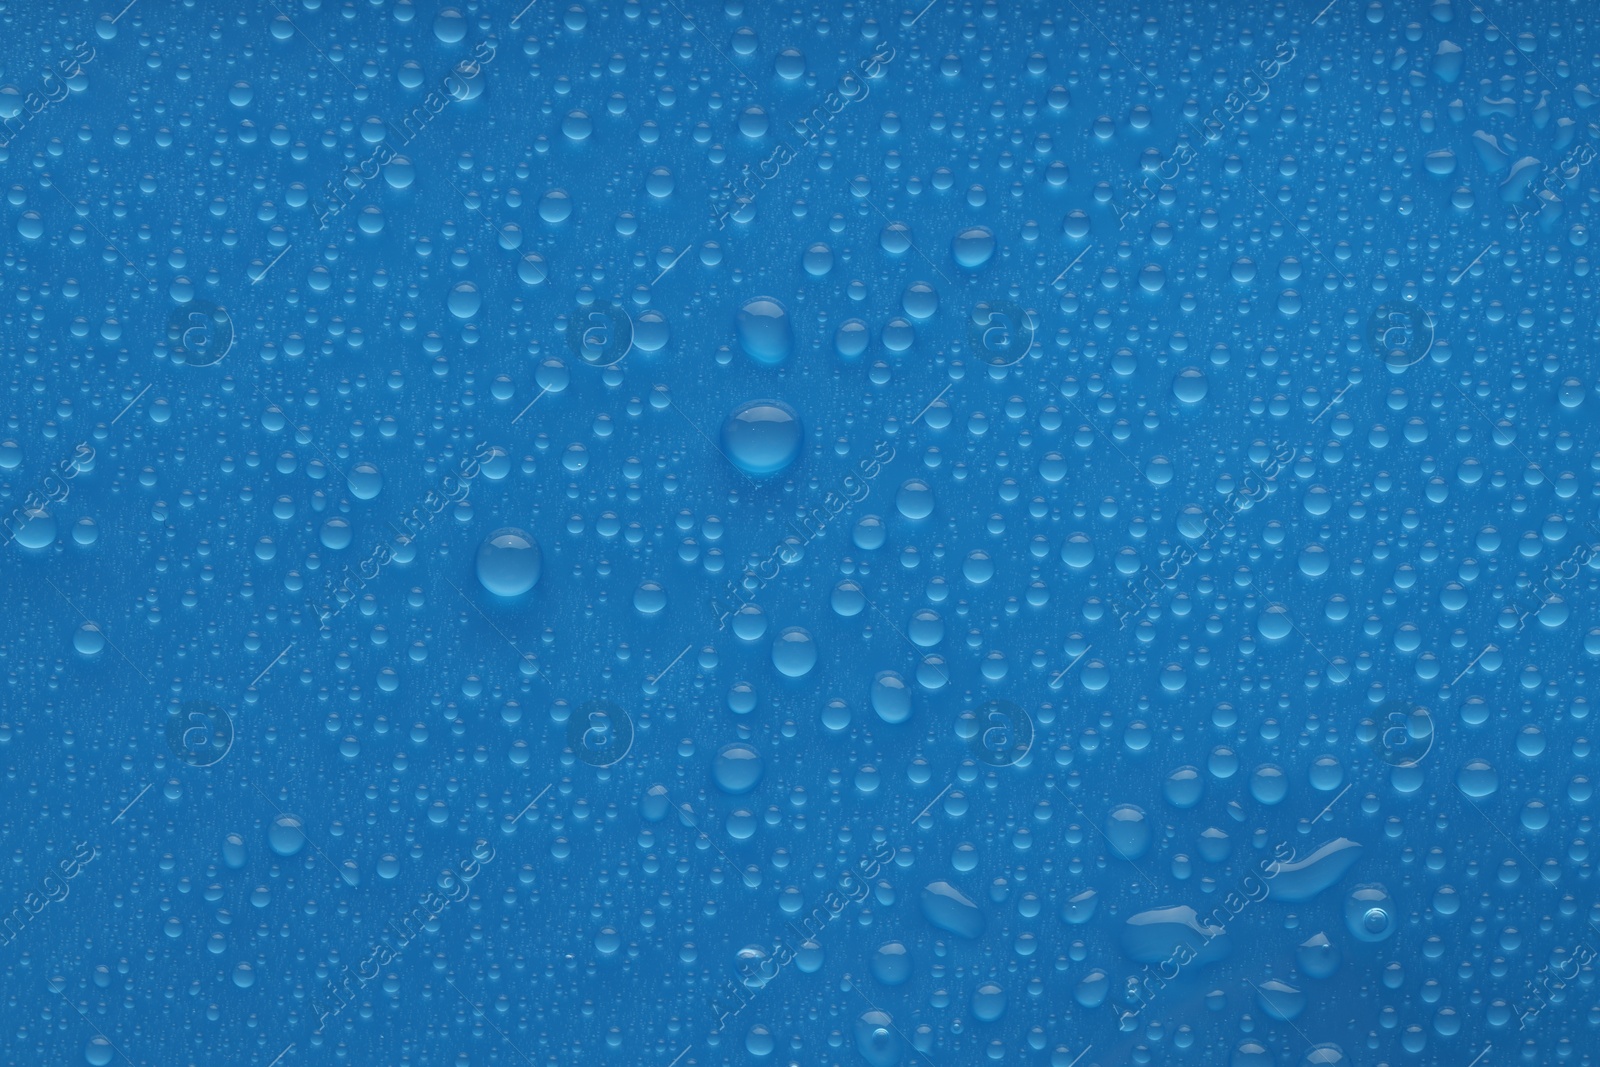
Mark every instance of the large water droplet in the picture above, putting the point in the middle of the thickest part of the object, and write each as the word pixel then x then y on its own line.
pixel 877 1040
pixel 891 697
pixel 1369 913
pixel 1298 880
pixel 950 910
pixel 973 247
pixel 509 562
pixel 763 436
pixel 1478 778
pixel 765 332
pixel 286 835
pixel 891 963
pixel 794 652
pixel 38 528
pixel 737 769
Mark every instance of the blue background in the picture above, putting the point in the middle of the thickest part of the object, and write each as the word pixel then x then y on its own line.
pixel 1177 451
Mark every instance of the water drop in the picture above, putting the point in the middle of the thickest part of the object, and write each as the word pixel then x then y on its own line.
pixel 973 247
pixel 794 652
pixel 762 437
pixel 509 562
pixel 764 330
pixel 286 835
pixel 737 769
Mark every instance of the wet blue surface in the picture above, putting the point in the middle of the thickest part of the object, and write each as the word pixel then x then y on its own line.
pixel 739 534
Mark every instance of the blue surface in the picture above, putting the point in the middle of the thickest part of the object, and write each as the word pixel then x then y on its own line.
pixel 683 535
